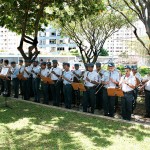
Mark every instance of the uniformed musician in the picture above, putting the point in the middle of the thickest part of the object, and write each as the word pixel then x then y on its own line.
pixel 99 94
pixel 44 73
pixel 110 79
pixel 26 83
pixel 77 73
pixel 55 74
pixel 146 86
pixel 36 81
pixel 127 83
pixel 138 81
pixel 15 80
pixel 21 69
pixel 67 87
pixel 90 82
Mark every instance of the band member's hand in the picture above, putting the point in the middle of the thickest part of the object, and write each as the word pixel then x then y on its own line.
pixel 53 72
pixel 107 82
pixel 87 79
pixel 112 80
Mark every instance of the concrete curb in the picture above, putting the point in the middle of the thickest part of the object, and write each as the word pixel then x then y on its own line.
pixel 146 125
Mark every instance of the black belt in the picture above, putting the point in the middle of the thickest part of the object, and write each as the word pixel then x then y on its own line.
pixel 129 92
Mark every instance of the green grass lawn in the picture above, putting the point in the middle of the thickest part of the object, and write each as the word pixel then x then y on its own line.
pixel 32 127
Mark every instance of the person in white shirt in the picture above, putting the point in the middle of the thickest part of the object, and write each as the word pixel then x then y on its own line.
pixel 90 83
pixel 110 79
pixel 36 81
pixel 127 83
pixel 15 80
pixel 26 83
pixel 99 89
pixel 21 69
pixel 146 86
pixel 7 79
pixel 138 82
pixel 77 73
pixel 67 87
pixel 55 74
pixel 44 86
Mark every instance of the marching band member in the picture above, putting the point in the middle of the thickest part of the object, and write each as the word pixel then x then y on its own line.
pixel 90 82
pixel 127 83
pixel 44 73
pixel 67 88
pixel 138 81
pixel 99 94
pixel 21 69
pixel 36 81
pixel 26 83
pixel 7 80
pixel 77 73
pixel 1 81
pixel 110 79
pixel 55 74
pixel 49 66
pixel 15 80
pixel 146 86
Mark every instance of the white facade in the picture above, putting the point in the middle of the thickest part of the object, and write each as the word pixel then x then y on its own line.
pixel 51 41
pixel 123 40
pixel 8 40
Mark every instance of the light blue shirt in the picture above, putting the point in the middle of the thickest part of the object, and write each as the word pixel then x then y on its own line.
pixel 15 72
pixel 69 76
pixel 106 78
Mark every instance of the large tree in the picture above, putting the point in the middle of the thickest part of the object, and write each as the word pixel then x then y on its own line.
pixel 26 17
pixel 140 9
pixel 91 33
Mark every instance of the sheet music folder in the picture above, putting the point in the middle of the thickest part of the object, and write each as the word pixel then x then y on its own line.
pixel 78 86
pixel 115 92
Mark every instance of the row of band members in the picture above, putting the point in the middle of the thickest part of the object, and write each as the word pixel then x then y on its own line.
pixel 96 83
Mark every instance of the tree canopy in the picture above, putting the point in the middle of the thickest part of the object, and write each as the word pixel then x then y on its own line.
pixel 26 17
pixel 91 33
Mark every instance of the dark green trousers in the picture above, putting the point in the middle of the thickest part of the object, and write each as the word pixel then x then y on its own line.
pixel 67 90
pixel 126 105
pixel 15 82
pixel 108 104
pixel 89 100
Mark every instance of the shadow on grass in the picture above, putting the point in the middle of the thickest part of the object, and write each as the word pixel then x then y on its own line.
pixel 51 128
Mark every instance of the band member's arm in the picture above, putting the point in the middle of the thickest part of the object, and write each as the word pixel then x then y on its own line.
pixel 92 81
pixel 55 74
pixel 67 79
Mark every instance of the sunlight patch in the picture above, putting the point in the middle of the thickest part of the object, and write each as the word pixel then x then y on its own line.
pixel 20 124
pixel 84 140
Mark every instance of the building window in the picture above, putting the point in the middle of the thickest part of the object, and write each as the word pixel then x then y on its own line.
pixel 60 48
pixel 53 34
pixel 52 41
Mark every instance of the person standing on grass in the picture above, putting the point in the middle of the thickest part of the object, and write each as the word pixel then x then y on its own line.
pixel 146 87
pixel 127 83
pixel 67 87
pixel 138 81
pixel 36 81
pixel 99 95
pixel 55 74
pixel 15 80
pixel 110 79
pixel 26 83
pixel 21 69
pixel 90 82
pixel 44 72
